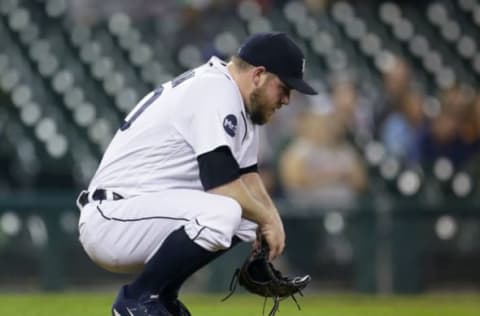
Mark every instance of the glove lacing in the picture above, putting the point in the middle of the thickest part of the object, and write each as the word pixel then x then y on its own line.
pixel 233 285
pixel 276 299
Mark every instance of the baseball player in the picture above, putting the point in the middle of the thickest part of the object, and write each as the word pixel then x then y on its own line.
pixel 178 185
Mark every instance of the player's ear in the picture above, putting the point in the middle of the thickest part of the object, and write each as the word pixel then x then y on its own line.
pixel 257 75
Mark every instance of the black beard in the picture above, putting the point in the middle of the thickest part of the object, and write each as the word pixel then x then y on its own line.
pixel 256 105
pixel 258 118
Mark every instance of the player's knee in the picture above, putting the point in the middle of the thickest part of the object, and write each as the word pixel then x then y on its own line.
pixel 230 214
pixel 214 230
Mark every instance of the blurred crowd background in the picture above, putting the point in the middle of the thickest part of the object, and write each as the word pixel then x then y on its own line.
pixel 377 176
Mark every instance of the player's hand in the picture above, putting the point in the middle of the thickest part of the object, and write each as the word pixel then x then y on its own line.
pixel 274 234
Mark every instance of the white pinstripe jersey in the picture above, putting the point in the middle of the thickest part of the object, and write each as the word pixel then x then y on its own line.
pixel 158 144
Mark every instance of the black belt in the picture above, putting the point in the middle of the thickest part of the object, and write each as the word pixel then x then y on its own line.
pixel 98 195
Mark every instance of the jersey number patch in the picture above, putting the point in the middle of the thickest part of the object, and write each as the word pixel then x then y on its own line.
pixel 156 94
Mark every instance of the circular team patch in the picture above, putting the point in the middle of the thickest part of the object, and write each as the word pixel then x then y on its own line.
pixel 230 124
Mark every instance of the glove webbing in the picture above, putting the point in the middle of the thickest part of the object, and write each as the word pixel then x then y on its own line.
pixel 276 299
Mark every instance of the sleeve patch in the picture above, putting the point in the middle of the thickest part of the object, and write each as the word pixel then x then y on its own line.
pixel 230 123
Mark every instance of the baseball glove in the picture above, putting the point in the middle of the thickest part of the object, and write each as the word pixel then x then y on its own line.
pixel 257 275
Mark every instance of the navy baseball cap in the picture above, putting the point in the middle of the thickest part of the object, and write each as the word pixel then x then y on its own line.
pixel 280 56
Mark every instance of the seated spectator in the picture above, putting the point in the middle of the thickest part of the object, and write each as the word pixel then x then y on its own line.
pixel 397 83
pixel 352 109
pixel 449 134
pixel 400 133
pixel 319 168
pixel 466 108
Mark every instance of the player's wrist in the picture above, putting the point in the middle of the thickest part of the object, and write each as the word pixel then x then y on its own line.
pixel 269 217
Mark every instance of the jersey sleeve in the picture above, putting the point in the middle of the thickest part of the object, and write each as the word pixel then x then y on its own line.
pixel 249 156
pixel 211 115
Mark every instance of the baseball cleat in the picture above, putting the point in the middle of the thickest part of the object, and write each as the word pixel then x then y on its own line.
pixel 177 308
pixel 146 305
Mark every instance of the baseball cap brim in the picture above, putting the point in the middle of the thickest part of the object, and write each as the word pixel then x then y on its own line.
pixel 298 84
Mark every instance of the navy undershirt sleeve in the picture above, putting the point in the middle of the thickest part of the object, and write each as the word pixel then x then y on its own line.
pixel 218 167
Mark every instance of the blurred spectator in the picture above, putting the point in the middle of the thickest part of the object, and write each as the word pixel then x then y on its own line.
pixel 459 101
pixel 397 80
pixel 451 134
pixel 401 131
pixel 319 168
pixel 90 12
pixel 351 109
pixel 320 171
pixel 469 129
pixel 316 5
pixel 474 165
pixel 439 138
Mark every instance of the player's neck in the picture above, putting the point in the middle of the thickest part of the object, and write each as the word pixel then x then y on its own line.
pixel 240 79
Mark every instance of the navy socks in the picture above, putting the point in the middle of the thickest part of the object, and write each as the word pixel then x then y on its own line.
pixel 177 259
pixel 171 290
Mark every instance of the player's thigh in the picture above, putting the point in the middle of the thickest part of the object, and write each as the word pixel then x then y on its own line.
pixel 122 235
